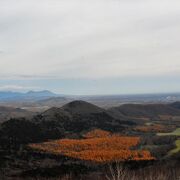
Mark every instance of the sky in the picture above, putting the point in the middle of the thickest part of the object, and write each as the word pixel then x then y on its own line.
pixel 90 46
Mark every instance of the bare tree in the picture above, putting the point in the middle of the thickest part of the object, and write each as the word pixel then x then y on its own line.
pixel 116 172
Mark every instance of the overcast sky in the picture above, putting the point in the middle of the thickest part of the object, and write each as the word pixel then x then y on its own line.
pixel 90 46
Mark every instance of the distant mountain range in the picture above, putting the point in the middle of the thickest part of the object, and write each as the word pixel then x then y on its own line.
pixel 46 99
pixel 29 96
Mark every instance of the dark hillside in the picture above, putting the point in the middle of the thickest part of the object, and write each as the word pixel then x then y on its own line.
pixel 75 117
pixel 80 116
pixel 9 112
pixel 148 110
pixel 175 105
pixel 81 107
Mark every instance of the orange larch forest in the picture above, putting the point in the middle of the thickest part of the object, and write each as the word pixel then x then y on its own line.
pixel 97 146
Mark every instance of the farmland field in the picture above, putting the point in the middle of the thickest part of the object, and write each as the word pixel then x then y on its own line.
pixel 177 149
pixel 174 133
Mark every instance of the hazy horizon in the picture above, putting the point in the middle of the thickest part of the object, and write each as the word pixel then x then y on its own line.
pixel 89 95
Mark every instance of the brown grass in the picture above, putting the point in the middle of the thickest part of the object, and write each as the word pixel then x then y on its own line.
pixel 151 128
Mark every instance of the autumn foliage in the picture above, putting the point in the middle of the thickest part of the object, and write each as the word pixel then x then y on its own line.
pixel 97 133
pixel 98 149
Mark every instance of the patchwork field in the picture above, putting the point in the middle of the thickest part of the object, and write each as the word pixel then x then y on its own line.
pixel 151 128
pixel 174 133
pixel 177 149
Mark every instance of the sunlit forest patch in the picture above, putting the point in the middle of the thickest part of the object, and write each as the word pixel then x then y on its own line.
pixel 97 133
pixel 98 146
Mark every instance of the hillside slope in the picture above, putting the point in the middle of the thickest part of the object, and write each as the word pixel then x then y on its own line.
pixel 9 112
pixel 145 110
pixel 74 118
pixel 80 116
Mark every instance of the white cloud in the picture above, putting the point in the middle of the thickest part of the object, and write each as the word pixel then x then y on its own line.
pixel 17 88
pixel 88 38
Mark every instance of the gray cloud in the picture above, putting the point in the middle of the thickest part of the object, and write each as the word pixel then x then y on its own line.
pixel 88 38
